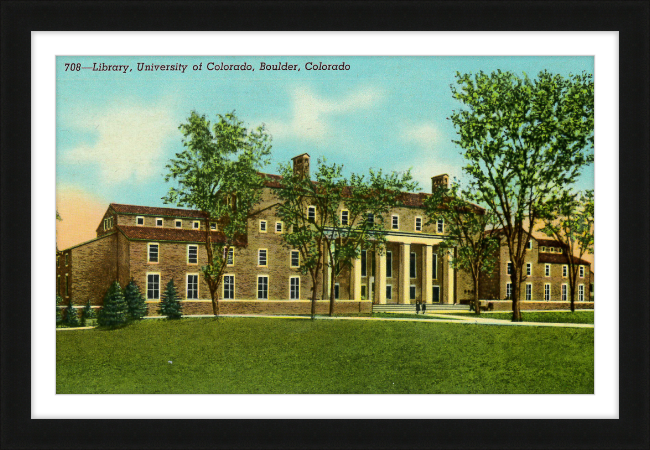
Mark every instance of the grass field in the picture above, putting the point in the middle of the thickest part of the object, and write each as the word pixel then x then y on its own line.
pixel 549 317
pixel 259 355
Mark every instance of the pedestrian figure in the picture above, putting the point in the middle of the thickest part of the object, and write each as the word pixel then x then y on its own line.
pixel 424 307
pixel 417 307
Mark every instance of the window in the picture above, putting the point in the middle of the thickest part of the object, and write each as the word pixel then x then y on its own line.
pixel 295 258
pixel 371 219
pixel 192 286
pixel 336 291
pixel 543 249
pixel 529 268
pixel 65 257
pixel 581 292
pixel 67 285
pixel 153 286
pixel 364 263
pixel 434 266
pixel 565 271
pixel 196 225
pixel 418 224
pixel 412 292
pixel 412 265
pixel 178 223
pixel 389 264
pixel 547 270
pixel 311 213
pixel 159 222
pixel 389 292
pixel 564 292
pixel 508 291
pixel 509 268
pixel 213 226
pixel 262 287
pixel 105 222
pixel 278 227
pixel 228 287
pixel 529 291
pixel 261 257
pixel 294 288
pixel 230 259
pixel 153 253
pixel 192 254
pixel 345 217
pixel 441 225
pixel 364 289
pixel 547 292
pixel 395 222
pixel 529 245
pixel 139 221
pixel 262 226
pixel 582 271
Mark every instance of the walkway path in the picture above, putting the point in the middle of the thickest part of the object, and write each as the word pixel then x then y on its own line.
pixel 439 318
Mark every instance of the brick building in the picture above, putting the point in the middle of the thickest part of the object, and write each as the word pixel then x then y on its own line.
pixel 546 278
pixel 153 245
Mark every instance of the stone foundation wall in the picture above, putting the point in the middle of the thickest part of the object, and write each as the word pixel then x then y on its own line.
pixel 506 305
pixel 270 307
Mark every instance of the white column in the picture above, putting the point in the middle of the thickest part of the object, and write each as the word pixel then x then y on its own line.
pixel 405 275
pixel 380 278
pixel 356 279
pixel 427 274
pixel 450 279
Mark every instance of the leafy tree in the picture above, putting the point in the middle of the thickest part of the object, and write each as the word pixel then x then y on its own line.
pixel 135 301
pixel 71 317
pixel 525 142
pixel 170 306
pixel 115 310
pixel 324 240
pixel 571 222
pixel 88 314
pixel 470 231
pixel 217 173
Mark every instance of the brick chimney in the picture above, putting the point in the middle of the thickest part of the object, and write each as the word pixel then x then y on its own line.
pixel 439 181
pixel 301 165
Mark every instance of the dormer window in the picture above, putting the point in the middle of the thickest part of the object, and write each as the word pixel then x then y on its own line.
pixel 139 221
pixel 178 223
pixel 159 222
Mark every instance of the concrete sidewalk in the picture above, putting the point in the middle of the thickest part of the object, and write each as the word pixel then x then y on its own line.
pixel 440 318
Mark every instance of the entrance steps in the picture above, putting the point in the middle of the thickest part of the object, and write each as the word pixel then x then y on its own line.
pixel 394 307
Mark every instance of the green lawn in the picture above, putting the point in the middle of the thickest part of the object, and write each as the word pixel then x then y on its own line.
pixel 259 355
pixel 549 317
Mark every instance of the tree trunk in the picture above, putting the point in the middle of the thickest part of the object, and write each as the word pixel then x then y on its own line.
pixel 215 301
pixel 332 300
pixel 314 287
pixel 516 288
pixel 477 303
pixel 573 296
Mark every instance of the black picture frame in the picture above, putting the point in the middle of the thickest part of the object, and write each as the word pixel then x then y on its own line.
pixel 630 18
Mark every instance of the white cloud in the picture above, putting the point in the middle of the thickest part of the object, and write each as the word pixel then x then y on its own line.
pixel 425 135
pixel 129 143
pixel 310 112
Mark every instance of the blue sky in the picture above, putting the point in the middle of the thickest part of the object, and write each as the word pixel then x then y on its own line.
pixel 116 131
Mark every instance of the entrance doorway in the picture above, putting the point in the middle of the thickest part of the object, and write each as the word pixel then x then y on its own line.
pixel 435 297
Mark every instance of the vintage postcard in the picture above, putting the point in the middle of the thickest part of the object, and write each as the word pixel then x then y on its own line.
pixel 325 225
